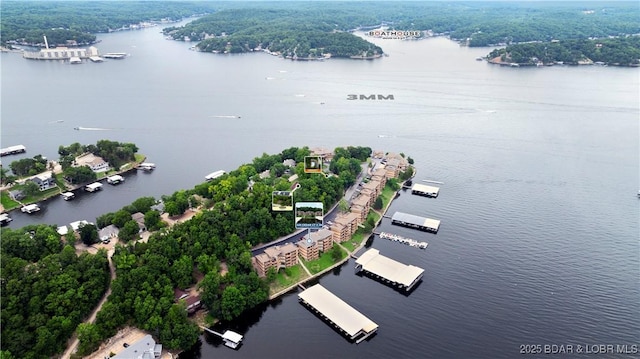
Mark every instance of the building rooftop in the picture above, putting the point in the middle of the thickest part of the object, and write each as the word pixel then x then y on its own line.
pixel 416 220
pixel 372 261
pixel 424 188
pixel 321 234
pixel 336 310
pixel 143 348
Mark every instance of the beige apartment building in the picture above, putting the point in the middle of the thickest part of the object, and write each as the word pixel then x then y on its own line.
pixel 308 249
pixel 276 257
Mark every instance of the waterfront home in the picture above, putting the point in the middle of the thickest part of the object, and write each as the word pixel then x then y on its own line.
pixel 380 175
pixel 108 233
pixel 139 218
pixel 145 348
pixel 289 163
pixel 308 249
pixel 375 187
pixel 325 153
pixel 193 304
pixel 44 181
pixel 349 220
pixel 96 163
pixel 75 226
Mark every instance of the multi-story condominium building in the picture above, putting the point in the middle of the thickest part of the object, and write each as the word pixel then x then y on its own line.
pixel 350 221
pixel 324 239
pixel 276 257
pixel 340 232
pixel 361 207
pixel 308 249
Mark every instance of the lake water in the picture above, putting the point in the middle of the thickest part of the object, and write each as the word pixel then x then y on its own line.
pixel 540 219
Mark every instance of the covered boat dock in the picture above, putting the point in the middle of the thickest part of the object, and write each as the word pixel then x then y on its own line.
pixel 390 271
pixel 344 317
pixel 417 222
pixel 424 190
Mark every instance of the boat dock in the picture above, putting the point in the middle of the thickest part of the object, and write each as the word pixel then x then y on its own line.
pixel 388 270
pixel 341 315
pixel 408 241
pixel 30 208
pixel 67 196
pixel 5 219
pixel 230 338
pixel 417 222
pixel 424 190
pixel 12 150
pixel 115 179
pixel 96 186
pixel 214 175
pixel 147 166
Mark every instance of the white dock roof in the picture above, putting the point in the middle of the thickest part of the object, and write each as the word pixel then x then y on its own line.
pixel 416 220
pixel 425 189
pixel 336 310
pixel 233 336
pixel 372 261
pixel 214 175
pixel 94 185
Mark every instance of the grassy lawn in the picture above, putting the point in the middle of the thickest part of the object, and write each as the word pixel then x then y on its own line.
pixel 42 195
pixel 386 195
pixel 325 261
pixel 282 281
pixel 355 241
pixel 7 202
pixel 139 157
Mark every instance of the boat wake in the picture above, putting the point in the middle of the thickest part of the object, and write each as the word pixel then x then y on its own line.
pixel 223 116
pixel 300 95
pixel 58 121
pixel 91 129
pixel 384 136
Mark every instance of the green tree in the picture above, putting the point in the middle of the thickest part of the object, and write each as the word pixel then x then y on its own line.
pixel 336 253
pixel 89 338
pixel 88 234
pixel 233 303
pixel 30 189
pixel 377 205
pixel 343 205
pixel 153 221
pixel 129 231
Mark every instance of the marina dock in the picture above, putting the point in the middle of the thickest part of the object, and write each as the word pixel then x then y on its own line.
pixel 424 190
pixel 12 150
pixel 388 270
pixel 416 222
pixel 96 186
pixel 341 315
pixel 400 239
pixel 115 179
pixel 230 338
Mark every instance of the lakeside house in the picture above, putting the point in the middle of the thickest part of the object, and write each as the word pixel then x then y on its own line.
pixel 325 153
pixel 108 233
pixel 44 181
pixel 139 218
pixel 96 163
pixel 192 302
pixel 16 195
pixel 145 348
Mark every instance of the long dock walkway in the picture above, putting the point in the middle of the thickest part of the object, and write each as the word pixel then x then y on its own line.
pixel 395 273
pixel 344 317
pixel 400 239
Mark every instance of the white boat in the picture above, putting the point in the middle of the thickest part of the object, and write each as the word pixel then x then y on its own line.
pixel 30 208
pixel 75 60
pixel 67 196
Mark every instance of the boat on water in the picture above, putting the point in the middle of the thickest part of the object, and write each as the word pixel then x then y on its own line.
pixel 479 58
pixel 67 196
pixel 96 186
pixel 115 179
pixel 30 208
pixel 147 166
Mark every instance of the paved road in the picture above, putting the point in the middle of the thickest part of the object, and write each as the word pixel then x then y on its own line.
pixel 328 217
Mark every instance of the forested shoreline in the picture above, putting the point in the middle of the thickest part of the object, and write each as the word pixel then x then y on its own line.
pixel 234 216
pixel 616 51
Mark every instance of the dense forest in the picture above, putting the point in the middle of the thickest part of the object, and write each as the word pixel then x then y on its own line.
pixel 313 28
pixel 617 51
pixel 236 217
pixel 27 21
pixel 46 290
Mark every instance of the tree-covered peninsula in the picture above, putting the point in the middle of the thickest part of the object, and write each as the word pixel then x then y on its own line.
pixel 76 22
pixel 623 51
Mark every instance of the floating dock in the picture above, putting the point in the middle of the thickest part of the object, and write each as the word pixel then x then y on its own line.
pixel 417 222
pixel 96 186
pixel 230 338
pixel 408 241
pixel 214 175
pixel 12 150
pixel 344 317
pixel 424 190
pixel 395 273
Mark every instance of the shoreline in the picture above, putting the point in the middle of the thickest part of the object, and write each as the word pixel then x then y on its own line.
pixel 72 188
